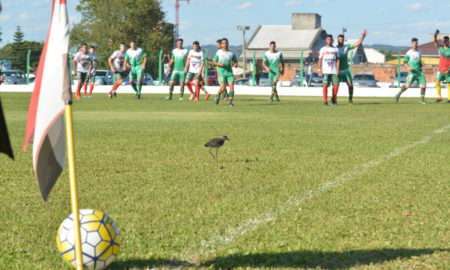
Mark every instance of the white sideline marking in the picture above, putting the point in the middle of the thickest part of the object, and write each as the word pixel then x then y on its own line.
pixel 212 244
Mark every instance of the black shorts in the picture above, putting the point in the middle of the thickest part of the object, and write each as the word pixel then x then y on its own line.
pixel 82 77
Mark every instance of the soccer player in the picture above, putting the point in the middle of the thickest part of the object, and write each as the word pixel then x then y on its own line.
pixel 273 64
pixel 345 72
pixel 136 60
pixel 329 67
pixel 178 63
pixel 219 46
pixel 81 63
pixel 194 69
pixel 225 60
pixel 413 61
pixel 443 74
pixel 92 71
pixel 117 66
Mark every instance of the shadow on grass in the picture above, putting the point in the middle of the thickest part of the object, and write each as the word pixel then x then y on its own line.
pixel 315 259
pixel 295 259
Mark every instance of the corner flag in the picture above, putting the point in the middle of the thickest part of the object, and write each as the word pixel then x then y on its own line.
pixel 45 125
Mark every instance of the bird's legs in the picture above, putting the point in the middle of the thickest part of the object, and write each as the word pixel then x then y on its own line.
pixel 211 153
pixel 217 157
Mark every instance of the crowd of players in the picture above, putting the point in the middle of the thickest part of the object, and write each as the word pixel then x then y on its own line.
pixel 187 68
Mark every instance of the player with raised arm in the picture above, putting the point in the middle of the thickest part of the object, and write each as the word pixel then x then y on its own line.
pixel 413 62
pixel 92 71
pixel 443 74
pixel 345 71
pixel 117 66
pixel 81 63
pixel 329 67
pixel 178 63
pixel 273 64
pixel 225 60
pixel 194 69
pixel 136 60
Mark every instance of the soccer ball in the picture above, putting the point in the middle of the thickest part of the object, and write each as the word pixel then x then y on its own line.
pixel 99 239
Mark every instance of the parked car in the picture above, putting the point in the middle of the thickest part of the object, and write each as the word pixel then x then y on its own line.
pixel 104 77
pixel 401 80
pixel 364 80
pixel 314 80
pixel 14 77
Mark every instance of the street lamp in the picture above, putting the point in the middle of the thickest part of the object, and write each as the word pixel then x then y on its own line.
pixel 244 29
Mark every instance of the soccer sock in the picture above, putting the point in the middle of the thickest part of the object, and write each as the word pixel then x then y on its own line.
pixel 422 94
pixel 189 86
pixel 325 94
pixel 448 91
pixel 139 88
pixel 231 96
pixel 218 98
pixel 182 91
pixel 134 87
pixel 438 89
pixel 78 90
pixel 171 90
pixel 350 93
pixel 85 86
pixel 197 91
pixel 335 93
pixel 400 93
pixel 91 89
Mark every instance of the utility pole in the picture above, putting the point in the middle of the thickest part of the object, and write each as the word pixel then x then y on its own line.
pixel 177 17
pixel 244 29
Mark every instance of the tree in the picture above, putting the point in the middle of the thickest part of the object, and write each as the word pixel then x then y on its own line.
pixel 18 57
pixel 18 35
pixel 106 23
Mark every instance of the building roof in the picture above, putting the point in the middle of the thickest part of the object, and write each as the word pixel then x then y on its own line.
pixel 427 49
pixel 374 56
pixel 286 37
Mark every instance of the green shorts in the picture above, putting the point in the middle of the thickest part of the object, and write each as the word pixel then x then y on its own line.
pixel 443 77
pixel 193 77
pixel 346 76
pixel 136 74
pixel 226 78
pixel 330 78
pixel 416 76
pixel 178 76
pixel 274 76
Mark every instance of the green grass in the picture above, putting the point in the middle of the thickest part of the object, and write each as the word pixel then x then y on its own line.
pixel 144 163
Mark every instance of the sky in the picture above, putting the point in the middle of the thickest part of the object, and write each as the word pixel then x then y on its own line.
pixel 391 22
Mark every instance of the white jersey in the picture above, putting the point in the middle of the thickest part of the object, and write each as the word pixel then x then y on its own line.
pixel 329 56
pixel 195 61
pixel 83 62
pixel 118 60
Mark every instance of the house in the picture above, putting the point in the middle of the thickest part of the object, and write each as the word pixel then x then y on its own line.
pixel 304 35
pixel 374 56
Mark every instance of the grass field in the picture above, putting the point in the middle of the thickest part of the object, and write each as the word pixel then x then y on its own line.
pixel 302 186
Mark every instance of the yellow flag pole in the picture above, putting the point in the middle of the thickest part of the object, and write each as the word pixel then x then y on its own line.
pixel 73 186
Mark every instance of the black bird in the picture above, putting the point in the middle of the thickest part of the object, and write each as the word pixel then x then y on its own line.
pixel 216 143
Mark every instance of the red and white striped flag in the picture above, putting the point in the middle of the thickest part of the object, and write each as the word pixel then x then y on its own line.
pixel 45 126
